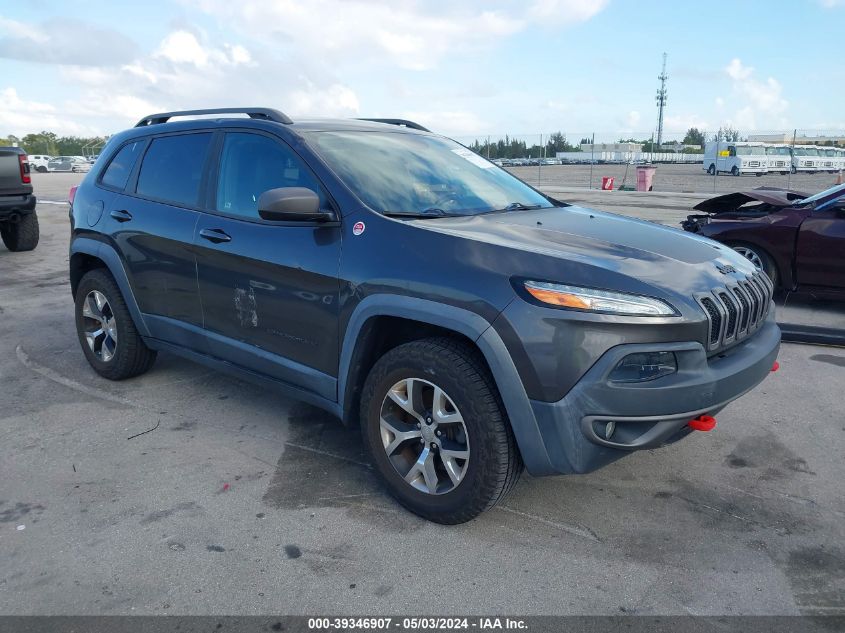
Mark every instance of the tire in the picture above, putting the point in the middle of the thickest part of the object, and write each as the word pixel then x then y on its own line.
pixel 21 235
pixel 711 170
pixel 759 258
pixel 734 171
pixel 493 464
pixel 121 354
pixel 41 169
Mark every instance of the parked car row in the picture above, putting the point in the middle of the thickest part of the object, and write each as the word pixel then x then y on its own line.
pixel 43 163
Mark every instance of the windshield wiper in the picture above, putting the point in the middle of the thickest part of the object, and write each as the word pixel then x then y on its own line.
pixel 518 206
pixel 426 213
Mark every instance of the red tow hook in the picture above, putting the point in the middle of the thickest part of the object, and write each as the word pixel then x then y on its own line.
pixel 776 366
pixel 703 423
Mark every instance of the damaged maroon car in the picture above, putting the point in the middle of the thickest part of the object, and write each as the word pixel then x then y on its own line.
pixel 797 239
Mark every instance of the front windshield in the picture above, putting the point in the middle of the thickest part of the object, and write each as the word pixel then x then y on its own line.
pixel 397 172
pixel 778 151
pixel 824 198
pixel 830 152
pixel 750 151
pixel 806 152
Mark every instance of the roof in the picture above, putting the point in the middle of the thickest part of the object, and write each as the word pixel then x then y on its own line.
pixel 275 116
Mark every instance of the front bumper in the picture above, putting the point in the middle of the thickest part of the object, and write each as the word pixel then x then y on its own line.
pixel 648 414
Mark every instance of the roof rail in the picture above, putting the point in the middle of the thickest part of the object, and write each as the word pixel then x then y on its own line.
pixel 268 114
pixel 402 122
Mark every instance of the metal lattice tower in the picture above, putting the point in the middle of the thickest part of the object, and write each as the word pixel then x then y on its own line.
pixel 661 102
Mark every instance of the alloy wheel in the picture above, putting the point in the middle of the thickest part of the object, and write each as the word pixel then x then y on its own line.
pixel 99 325
pixel 424 436
pixel 750 255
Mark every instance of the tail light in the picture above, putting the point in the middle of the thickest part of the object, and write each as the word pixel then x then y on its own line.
pixel 25 177
pixel 72 194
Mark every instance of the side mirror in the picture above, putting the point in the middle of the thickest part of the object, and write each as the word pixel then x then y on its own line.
pixel 292 204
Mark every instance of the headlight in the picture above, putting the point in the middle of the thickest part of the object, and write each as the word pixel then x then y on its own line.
pixel 597 300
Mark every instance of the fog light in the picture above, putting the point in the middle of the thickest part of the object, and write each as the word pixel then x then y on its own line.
pixel 609 428
pixel 644 366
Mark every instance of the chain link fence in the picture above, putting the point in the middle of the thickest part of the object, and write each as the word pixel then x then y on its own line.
pixel 801 159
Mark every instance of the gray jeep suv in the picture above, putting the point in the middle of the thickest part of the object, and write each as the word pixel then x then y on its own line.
pixel 467 322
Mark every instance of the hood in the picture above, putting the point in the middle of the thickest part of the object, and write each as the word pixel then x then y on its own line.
pixel 596 249
pixel 773 196
pixel 582 233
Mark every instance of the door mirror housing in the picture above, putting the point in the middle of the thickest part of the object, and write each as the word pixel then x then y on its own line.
pixel 292 204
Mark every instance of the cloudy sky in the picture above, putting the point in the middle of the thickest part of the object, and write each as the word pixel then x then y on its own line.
pixel 464 68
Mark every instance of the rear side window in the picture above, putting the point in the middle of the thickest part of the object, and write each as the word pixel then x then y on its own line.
pixel 117 173
pixel 251 164
pixel 172 169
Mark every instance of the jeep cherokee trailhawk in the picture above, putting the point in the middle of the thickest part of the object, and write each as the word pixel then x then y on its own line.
pixel 469 323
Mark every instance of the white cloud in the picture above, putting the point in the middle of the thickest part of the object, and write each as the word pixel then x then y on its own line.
pixel 450 122
pixel 182 47
pixel 64 41
pixel 759 103
pixel 335 100
pixel 561 12
pixel 301 57
pixel 410 34
pixel 632 121
pixel 832 4
pixel 20 116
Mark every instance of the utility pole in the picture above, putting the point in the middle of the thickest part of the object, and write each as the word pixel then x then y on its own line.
pixel 661 101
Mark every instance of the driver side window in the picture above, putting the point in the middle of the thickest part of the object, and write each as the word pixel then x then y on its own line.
pixel 251 164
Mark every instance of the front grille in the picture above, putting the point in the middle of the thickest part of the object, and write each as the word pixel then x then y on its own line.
pixel 715 318
pixel 736 310
pixel 754 163
pixel 730 328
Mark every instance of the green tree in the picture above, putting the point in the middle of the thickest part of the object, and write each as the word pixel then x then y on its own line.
pixel 694 136
pixel 726 133
pixel 40 143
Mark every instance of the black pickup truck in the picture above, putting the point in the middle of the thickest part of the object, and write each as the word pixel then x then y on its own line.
pixel 18 222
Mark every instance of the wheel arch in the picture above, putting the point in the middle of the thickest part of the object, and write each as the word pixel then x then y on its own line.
pixel 87 254
pixel 767 251
pixel 380 322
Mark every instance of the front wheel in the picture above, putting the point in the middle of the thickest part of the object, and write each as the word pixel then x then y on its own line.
pixel 760 258
pixel 711 170
pixel 437 432
pixel 734 171
pixel 106 332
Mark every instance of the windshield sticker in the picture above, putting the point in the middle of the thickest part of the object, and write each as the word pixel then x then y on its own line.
pixel 472 157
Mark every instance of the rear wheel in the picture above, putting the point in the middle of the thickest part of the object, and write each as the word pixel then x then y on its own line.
pixel 760 258
pixel 711 170
pixel 21 235
pixel 437 431
pixel 106 331
pixel 734 171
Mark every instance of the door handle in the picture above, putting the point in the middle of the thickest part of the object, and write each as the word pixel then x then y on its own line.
pixel 121 215
pixel 215 235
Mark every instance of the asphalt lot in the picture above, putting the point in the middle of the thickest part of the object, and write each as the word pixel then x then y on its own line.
pixel 240 501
